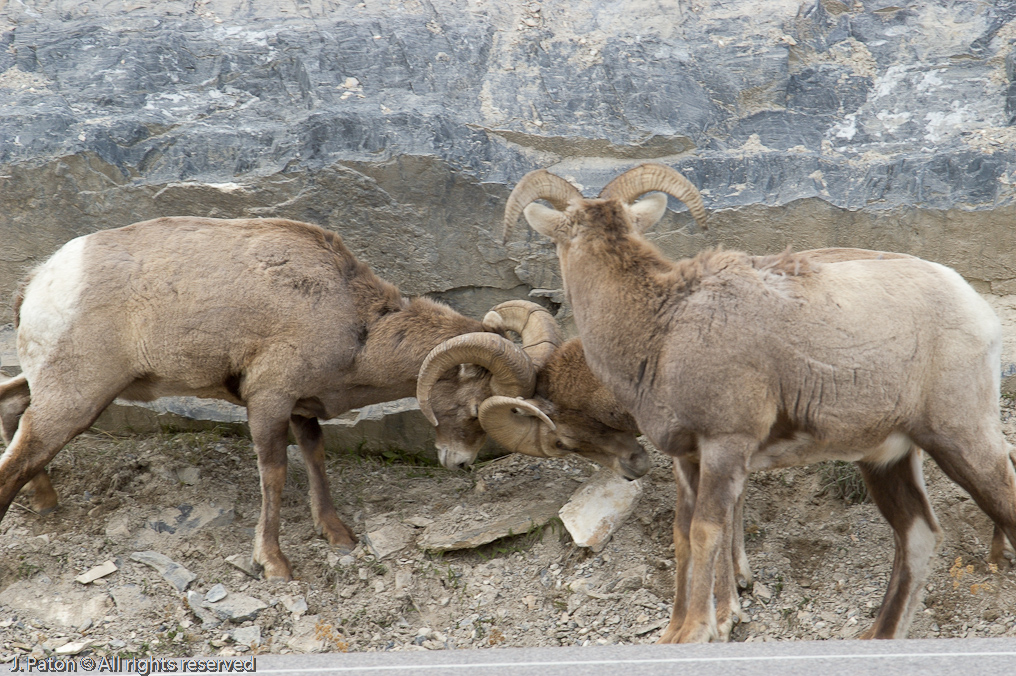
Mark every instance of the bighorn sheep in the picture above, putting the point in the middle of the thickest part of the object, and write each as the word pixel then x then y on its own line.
pixel 732 364
pixel 568 410
pixel 272 314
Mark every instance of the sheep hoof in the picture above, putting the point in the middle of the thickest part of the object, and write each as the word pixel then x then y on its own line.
pixel 278 570
pixel 339 536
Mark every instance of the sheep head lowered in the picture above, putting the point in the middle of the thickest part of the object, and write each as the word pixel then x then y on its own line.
pixel 486 364
pixel 565 411
pixel 732 364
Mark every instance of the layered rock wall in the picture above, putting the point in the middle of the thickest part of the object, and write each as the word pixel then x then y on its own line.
pixel 404 125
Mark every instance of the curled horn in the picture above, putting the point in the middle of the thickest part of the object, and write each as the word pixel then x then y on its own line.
pixel 644 178
pixel 539 330
pixel 511 369
pixel 537 185
pixel 501 419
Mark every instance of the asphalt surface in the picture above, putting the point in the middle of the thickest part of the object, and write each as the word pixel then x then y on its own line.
pixel 956 657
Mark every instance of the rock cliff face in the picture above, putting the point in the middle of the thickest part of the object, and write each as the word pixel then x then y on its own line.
pixel 404 125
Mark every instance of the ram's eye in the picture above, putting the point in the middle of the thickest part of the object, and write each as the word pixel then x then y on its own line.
pixel 559 444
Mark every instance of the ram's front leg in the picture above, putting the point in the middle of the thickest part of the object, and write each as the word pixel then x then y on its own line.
pixel 723 466
pixel 686 479
pixel 269 423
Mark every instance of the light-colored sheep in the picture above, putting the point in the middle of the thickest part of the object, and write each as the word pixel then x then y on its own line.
pixel 732 364
pixel 272 314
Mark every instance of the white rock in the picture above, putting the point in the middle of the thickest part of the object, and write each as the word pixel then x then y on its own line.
pixel 236 608
pixel 102 570
pixel 73 648
pixel 599 507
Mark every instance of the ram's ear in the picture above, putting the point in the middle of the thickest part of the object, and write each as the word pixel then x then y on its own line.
pixel 648 211
pixel 544 220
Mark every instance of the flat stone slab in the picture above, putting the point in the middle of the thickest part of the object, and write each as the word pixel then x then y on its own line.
pixel 236 608
pixel 73 648
pixel 597 509
pixel 102 570
pixel 171 571
pixel 216 593
pixel 448 532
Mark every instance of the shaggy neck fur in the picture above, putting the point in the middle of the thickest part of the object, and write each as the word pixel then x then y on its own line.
pixel 398 341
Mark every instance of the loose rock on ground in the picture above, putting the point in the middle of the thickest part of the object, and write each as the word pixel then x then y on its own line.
pixel 820 564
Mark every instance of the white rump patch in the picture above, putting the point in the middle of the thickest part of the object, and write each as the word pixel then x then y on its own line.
pixel 50 304
pixel 895 446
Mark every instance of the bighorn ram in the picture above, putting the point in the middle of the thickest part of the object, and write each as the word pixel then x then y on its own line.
pixel 272 314
pixel 567 410
pixel 732 364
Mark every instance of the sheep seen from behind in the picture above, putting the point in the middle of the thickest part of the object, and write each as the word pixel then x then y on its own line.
pixel 732 366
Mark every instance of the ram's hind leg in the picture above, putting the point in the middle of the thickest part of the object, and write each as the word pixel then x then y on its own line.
pixel 268 416
pixel 326 520
pixel 14 399
pixel 44 428
pixel 898 491
pixel 979 461
pixel 742 568
pixel 999 552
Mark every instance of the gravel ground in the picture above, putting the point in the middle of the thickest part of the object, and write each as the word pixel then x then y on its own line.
pixel 821 561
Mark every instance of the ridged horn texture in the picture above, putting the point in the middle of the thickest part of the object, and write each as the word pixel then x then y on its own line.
pixel 539 330
pixel 537 185
pixel 644 178
pixel 512 372
pixel 514 432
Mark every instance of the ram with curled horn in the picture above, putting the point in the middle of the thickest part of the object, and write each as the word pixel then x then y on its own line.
pixel 732 364
pixel 565 411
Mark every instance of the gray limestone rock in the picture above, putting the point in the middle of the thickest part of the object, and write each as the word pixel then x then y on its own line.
pixel 236 608
pixel 804 124
pixel 195 602
pixel 171 571
pixel 216 593
pixel 450 531
pixel 248 636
